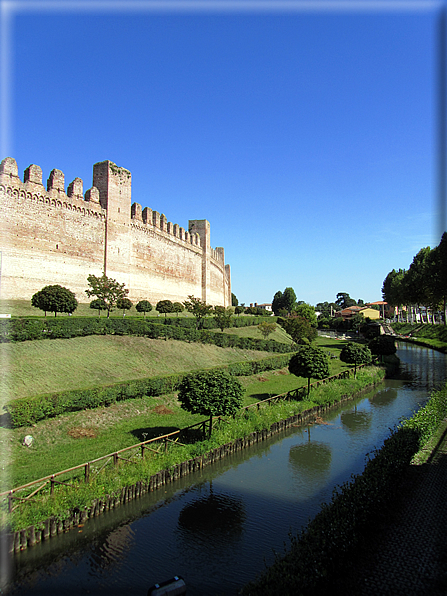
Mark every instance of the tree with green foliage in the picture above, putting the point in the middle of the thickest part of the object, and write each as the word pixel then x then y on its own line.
pixel 344 300
pixel 144 306
pixel 164 307
pixel 178 308
pixel 234 300
pixel 239 310
pixel 309 362
pixel 306 311
pixel 327 309
pixel 211 394
pixel 98 305
pixel 55 299
pixel 299 329
pixel 266 328
pixel 222 316
pixel 106 289
pixel 355 354
pixel 284 300
pixel 124 304
pixel 199 309
pixel 382 345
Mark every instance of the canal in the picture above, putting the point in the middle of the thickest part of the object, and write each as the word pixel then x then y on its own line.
pixel 219 527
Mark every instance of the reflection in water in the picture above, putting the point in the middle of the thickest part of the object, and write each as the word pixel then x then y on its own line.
pixel 311 460
pixel 356 421
pixel 212 515
pixel 113 550
pixel 384 397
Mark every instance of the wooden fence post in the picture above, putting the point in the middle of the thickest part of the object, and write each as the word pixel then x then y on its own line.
pixel 115 459
pixel 87 472
pixel 166 444
pixel 52 485
pixel 10 501
pixel 142 451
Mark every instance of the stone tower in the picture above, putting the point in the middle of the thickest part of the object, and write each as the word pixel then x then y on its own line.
pixel 114 186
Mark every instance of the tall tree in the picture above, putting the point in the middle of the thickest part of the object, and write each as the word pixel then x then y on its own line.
pixel 277 302
pixel 106 289
pixel 288 299
pixel 344 300
pixel 234 300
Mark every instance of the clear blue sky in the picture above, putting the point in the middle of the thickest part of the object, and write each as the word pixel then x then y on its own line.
pixel 307 137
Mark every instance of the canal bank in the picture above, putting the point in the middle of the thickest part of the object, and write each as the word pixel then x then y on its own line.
pixel 407 554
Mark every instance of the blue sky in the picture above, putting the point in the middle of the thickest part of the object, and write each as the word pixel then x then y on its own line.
pixel 306 135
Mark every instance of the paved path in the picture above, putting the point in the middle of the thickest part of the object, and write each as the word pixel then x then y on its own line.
pixel 408 554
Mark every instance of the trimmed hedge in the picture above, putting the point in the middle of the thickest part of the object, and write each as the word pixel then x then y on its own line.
pixel 28 410
pixel 12 330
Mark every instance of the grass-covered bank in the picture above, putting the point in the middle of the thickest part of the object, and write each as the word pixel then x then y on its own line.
pixel 432 336
pixel 327 547
pixel 110 481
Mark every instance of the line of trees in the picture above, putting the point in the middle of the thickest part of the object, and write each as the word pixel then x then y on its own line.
pixel 423 284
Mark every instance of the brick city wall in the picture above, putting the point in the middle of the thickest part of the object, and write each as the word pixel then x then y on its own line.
pixel 52 236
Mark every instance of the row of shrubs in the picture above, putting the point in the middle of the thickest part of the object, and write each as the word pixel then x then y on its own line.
pixel 28 410
pixel 15 330
pixel 326 548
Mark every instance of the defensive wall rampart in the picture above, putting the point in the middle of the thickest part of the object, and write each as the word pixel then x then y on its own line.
pixel 52 236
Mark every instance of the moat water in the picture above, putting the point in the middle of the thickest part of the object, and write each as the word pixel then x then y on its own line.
pixel 219 527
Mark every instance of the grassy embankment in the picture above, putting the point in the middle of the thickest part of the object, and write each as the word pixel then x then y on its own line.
pixel 432 336
pixel 124 424
pixel 52 365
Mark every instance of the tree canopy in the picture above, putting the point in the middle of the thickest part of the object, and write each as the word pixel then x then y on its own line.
pixel 309 362
pixel 222 316
pixel 423 284
pixel 164 307
pixel 234 300
pixel 344 300
pixel 123 304
pixel 106 289
pixel 355 354
pixel 55 299
pixel 98 305
pixel 298 328
pixel 211 394
pixel 198 308
pixel 382 345
pixel 284 300
pixel 306 311
pixel 143 306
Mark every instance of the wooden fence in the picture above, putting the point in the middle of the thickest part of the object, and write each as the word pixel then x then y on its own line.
pixel 155 446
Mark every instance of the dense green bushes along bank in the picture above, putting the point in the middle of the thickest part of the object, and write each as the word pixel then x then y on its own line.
pixel 330 541
pixel 25 411
pixel 23 329
pixel 110 481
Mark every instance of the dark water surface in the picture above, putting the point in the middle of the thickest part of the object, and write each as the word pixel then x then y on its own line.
pixel 218 526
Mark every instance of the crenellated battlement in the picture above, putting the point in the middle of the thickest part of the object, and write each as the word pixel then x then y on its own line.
pixel 60 235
